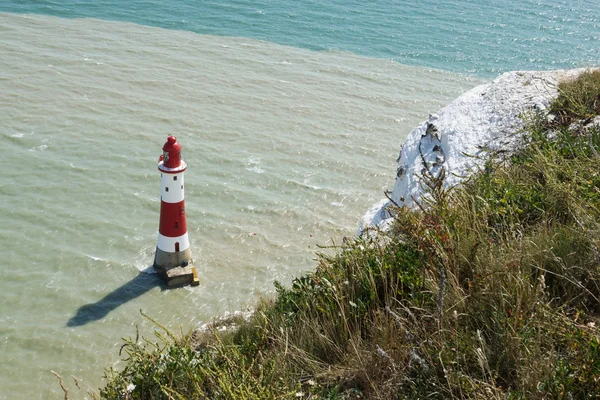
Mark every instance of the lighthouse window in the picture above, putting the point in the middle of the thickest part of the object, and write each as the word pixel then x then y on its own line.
pixel 182 186
pixel 175 178
pixel 176 224
pixel 166 189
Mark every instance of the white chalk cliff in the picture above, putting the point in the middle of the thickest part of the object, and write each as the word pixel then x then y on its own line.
pixel 488 117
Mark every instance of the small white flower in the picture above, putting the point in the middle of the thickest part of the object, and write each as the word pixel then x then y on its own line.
pixel 353 304
pixel 299 394
pixel 130 387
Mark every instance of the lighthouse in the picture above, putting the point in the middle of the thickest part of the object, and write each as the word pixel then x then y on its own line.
pixel 173 258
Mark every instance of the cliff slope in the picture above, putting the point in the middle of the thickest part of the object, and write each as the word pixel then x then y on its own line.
pixel 457 138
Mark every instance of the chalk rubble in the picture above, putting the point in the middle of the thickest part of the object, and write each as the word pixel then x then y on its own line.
pixel 457 138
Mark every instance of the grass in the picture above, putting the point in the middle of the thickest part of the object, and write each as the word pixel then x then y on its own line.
pixel 579 99
pixel 490 290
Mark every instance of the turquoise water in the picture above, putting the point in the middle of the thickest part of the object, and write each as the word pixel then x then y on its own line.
pixel 483 37
pixel 290 116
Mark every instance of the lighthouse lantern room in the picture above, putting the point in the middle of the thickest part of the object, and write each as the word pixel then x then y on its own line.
pixel 173 258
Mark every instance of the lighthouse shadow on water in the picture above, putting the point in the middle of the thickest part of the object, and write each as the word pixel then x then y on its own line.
pixel 131 290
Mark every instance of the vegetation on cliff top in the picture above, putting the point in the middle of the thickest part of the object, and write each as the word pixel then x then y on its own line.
pixel 489 290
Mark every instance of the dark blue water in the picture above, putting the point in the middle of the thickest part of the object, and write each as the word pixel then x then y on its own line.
pixel 481 37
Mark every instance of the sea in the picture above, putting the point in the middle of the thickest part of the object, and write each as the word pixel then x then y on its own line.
pixel 290 114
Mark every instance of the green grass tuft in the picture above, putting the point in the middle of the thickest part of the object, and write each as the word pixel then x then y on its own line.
pixel 578 99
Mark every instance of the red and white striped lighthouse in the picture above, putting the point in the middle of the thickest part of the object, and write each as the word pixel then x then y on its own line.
pixel 173 258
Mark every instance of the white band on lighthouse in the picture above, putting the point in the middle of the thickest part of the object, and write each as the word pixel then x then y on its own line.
pixel 171 187
pixel 169 244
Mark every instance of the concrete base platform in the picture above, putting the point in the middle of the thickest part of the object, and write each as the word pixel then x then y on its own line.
pixel 179 276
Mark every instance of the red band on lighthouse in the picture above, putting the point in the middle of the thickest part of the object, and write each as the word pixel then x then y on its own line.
pixel 172 219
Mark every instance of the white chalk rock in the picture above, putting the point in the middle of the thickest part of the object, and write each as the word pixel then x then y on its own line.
pixel 488 117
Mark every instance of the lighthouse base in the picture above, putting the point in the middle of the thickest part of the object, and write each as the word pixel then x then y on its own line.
pixel 176 268
pixel 179 276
